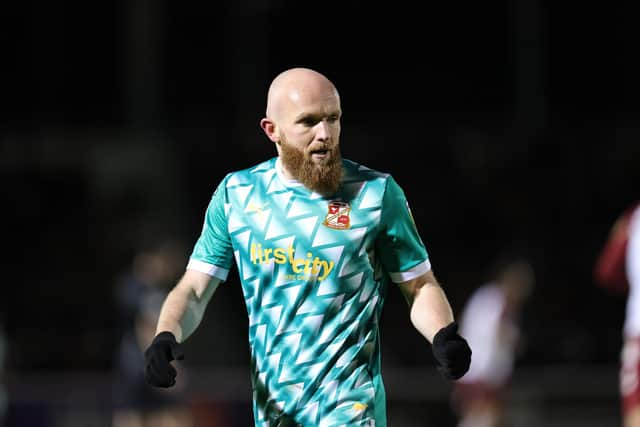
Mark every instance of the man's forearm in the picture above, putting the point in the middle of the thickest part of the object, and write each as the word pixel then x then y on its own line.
pixel 173 310
pixel 430 310
pixel 184 308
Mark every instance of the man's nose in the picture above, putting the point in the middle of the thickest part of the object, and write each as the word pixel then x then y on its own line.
pixel 323 133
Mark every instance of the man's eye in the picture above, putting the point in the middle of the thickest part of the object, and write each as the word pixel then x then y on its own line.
pixel 333 118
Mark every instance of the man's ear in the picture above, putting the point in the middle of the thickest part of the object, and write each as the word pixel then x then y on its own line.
pixel 270 129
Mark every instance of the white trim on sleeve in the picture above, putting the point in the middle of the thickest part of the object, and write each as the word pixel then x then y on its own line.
pixel 412 273
pixel 210 269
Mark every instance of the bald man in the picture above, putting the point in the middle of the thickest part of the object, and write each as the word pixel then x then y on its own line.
pixel 316 239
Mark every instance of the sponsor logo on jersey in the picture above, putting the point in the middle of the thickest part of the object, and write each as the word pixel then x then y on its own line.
pixel 303 268
pixel 338 215
pixel 359 406
pixel 258 209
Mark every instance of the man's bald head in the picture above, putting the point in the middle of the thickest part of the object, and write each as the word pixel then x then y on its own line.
pixel 303 120
pixel 295 87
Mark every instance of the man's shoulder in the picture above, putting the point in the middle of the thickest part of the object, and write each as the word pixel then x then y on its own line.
pixel 357 171
pixel 251 174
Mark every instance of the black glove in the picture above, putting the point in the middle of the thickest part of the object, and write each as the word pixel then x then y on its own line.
pixel 452 353
pixel 158 371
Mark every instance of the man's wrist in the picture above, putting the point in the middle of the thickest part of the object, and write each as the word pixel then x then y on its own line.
pixel 445 333
pixel 165 336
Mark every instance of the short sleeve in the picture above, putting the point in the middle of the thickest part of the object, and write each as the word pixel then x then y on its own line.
pixel 213 252
pixel 399 246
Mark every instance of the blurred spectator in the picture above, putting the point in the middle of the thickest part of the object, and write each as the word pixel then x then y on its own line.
pixel 153 270
pixel 139 294
pixel 618 269
pixel 490 322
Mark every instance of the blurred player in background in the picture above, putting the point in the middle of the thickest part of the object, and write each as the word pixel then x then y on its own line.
pixel 4 400
pixel 139 296
pixel 618 269
pixel 491 323
pixel 630 373
pixel 316 239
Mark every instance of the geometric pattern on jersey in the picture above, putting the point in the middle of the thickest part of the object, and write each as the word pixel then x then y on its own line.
pixel 314 272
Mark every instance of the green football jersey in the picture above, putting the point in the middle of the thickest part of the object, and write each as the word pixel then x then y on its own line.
pixel 314 272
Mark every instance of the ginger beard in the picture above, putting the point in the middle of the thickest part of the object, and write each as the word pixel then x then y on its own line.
pixel 323 177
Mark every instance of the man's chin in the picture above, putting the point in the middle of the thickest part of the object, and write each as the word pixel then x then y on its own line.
pixel 325 178
pixel 319 172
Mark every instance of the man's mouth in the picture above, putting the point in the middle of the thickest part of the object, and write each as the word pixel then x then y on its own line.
pixel 319 153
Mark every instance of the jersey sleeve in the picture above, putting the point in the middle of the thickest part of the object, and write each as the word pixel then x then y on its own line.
pixel 401 250
pixel 213 252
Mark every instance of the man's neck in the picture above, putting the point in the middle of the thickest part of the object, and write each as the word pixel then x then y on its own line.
pixel 285 172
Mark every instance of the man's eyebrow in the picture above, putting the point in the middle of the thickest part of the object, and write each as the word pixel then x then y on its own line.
pixel 304 116
pixel 314 116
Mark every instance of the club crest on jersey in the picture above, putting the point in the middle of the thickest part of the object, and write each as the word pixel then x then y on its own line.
pixel 338 215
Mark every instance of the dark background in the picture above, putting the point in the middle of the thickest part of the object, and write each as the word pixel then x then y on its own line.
pixel 510 125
